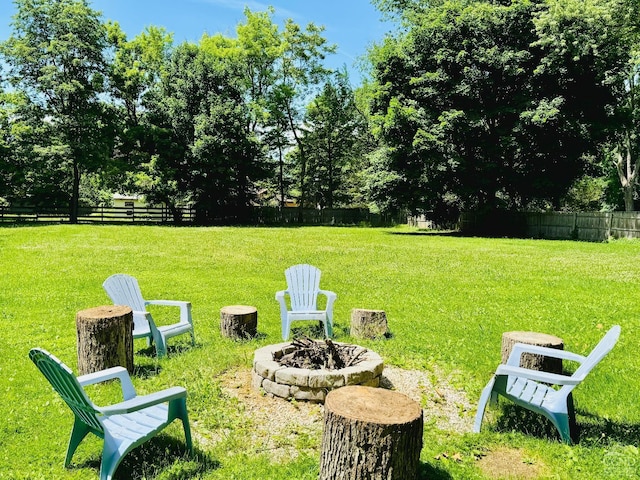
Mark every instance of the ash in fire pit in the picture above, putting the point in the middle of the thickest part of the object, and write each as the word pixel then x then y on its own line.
pixel 307 353
pixel 307 370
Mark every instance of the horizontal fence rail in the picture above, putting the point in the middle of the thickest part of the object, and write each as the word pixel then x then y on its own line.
pixel 188 216
pixel 587 226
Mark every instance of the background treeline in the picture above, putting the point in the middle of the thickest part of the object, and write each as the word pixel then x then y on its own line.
pixel 524 104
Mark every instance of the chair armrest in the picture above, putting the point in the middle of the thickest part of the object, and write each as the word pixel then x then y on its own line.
pixel 185 307
pixel 280 294
pixel 329 294
pixel 545 377
pixel 520 348
pixel 168 303
pixel 120 373
pixel 144 401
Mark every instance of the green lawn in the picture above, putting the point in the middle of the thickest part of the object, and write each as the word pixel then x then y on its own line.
pixel 448 300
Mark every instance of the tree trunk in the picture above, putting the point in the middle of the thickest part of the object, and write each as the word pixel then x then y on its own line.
pixel 627 171
pixel 105 338
pixel 370 434
pixel 529 360
pixel 368 323
pixel 75 194
pixel 238 321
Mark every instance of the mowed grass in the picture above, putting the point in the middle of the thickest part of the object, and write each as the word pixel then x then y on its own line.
pixel 447 298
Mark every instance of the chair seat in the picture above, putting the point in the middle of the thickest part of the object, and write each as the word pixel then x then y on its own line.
pixel 142 331
pixel 529 391
pixel 308 314
pixel 137 426
pixel 175 329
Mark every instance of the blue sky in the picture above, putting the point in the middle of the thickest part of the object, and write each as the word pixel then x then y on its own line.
pixel 350 24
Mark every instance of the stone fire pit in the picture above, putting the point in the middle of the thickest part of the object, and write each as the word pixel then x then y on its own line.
pixel 308 384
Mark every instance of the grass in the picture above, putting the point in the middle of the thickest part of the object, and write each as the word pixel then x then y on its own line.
pixel 448 300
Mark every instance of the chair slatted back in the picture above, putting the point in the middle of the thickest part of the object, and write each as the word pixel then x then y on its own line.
pixel 303 283
pixel 124 290
pixel 598 353
pixel 65 383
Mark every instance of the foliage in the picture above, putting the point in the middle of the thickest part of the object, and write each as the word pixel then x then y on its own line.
pixel 203 153
pixel 55 57
pixel 469 115
pixel 448 300
pixel 333 127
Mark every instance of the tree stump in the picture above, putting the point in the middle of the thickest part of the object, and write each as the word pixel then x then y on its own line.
pixel 368 323
pixel 238 321
pixel 529 360
pixel 370 434
pixel 105 338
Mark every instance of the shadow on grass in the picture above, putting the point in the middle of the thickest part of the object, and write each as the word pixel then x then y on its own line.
pixel 597 429
pixel 513 418
pixel 429 233
pixel 427 471
pixel 162 457
pixel 591 428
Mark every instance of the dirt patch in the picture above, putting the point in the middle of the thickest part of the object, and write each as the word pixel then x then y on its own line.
pixel 283 428
pixel 511 464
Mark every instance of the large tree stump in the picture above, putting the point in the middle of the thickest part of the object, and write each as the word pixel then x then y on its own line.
pixel 529 360
pixel 368 323
pixel 370 434
pixel 238 321
pixel 105 338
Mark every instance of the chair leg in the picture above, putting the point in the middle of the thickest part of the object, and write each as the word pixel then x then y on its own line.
pixel 111 457
pixel 328 328
pixel 178 409
pixel 566 423
pixel 161 346
pixel 286 326
pixel 80 430
pixel 482 404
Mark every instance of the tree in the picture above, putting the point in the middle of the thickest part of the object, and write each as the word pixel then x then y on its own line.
pixel 55 56
pixel 203 153
pixel 332 127
pixel 134 70
pixel 468 115
pixel 299 71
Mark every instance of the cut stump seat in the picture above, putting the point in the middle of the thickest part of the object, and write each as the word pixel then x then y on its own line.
pixel 367 323
pixel 104 338
pixel 238 321
pixel 530 360
pixel 370 433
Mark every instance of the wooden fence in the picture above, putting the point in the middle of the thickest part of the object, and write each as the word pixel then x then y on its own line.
pixel 588 226
pixel 150 215
pixel 162 215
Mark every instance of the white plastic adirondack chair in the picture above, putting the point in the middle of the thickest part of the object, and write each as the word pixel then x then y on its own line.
pixel 123 426
pixel 124 290
pixel 535 390
pixel 303 288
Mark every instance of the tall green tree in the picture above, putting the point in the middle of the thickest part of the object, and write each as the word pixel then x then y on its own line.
pixel 203 153
pixel 280 70
pixel 468 115
pixel 333 125
pixel 299 71
pixel 56 57
pixel 135 69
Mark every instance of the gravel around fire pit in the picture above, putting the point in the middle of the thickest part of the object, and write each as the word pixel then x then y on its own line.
pixel 277 424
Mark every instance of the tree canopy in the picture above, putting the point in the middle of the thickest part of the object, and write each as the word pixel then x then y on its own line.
pixel 470 104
